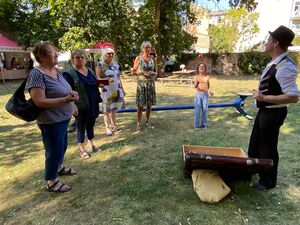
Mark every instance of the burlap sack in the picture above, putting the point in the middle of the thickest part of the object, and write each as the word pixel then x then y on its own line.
pixel 209 186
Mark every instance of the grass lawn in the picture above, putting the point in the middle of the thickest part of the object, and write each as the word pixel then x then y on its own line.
pixel 138 177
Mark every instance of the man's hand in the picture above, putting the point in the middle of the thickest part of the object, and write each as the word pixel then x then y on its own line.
pixel 258 95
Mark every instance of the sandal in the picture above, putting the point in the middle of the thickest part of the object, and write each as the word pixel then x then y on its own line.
pixel 58 187
pixel 115 129
pixel 67 171
pixel 84 155
pixel 109 132
pixel 149 125
pixel 93 149
pixel 138 128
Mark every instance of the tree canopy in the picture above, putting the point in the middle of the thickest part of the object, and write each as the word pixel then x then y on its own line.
pixel 237 26
pixel 72 24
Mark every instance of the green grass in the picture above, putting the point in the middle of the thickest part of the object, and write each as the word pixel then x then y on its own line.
pixel 138 178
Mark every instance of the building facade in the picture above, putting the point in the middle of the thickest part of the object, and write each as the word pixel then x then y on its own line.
pixel 272 13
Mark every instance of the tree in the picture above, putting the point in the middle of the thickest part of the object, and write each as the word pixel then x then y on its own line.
pixel 74 39
pixel 73 24
pixel 29 21
pixel 237 27
pixel 249 5
pixel 92 21
pixel 162 22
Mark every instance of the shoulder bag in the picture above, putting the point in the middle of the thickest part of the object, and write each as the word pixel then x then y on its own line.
pixel 21 108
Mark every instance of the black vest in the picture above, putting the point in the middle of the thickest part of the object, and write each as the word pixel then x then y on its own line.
pixel 269 84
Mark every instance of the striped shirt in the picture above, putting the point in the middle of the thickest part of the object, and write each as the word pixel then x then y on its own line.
pixel 54 88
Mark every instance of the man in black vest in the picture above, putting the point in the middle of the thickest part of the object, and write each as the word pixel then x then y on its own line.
pixel 277 88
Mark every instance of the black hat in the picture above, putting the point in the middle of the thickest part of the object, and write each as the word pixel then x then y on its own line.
pixel 284 35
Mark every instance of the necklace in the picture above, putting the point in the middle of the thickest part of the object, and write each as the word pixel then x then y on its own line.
pixel 82 70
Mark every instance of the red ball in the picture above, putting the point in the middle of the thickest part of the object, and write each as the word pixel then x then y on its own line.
pixel 200 56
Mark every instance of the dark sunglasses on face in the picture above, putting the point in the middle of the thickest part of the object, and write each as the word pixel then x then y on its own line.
pixel 110 53
pixel 79 57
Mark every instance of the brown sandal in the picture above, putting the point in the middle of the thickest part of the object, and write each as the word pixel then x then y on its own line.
pixel 138 128
pixel 109 132
pixel 149 125
pixel 61 188
pixel 84 155
pixel 115 129
pixel 67 171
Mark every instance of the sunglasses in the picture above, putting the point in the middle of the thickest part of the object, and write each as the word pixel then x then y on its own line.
pixel 110 53
pixel 79 57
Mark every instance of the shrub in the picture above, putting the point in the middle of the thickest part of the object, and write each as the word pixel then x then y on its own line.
pixel 253 62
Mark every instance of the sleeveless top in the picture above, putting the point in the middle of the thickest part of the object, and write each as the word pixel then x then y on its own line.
pixel 145 67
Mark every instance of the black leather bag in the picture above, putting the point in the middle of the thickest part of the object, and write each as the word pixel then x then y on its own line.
pixel 21 108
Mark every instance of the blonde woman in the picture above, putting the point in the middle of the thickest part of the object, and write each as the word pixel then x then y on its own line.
pixel 145 69
pixel 112 92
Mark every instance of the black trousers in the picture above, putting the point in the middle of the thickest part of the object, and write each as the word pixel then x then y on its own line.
pixel 264 140
pixel 85 123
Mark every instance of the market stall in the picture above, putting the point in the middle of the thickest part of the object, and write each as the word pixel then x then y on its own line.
pixel 14 60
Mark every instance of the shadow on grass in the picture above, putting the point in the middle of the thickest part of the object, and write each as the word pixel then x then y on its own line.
pixel 9 87
pixel 138 178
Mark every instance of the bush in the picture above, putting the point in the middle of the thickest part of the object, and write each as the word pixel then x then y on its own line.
pixel 253 62
pixel 184 58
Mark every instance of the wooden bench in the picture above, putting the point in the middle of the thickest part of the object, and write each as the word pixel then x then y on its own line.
pixel 176 80
pixel 184 72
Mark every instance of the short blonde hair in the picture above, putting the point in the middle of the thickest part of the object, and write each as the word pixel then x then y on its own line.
pixel 41 49
pixel 145 43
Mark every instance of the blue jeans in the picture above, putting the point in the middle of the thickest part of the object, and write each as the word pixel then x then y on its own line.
pixel 55 139
pixel 200 104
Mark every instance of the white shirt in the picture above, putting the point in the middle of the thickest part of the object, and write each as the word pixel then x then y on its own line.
pixel 286 75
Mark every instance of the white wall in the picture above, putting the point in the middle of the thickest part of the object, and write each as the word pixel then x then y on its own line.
pixel 272 14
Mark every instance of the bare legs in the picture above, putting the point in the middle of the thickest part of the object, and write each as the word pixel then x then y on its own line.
pixel 148 111
pixel 107 122
pixel 110 122
pixel 139 117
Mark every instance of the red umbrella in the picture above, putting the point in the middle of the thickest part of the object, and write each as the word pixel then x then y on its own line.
pixel 102 44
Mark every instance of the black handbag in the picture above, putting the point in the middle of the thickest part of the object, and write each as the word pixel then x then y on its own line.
pixel 21 108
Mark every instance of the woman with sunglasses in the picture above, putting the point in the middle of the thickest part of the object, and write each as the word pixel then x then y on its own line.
pixel 112 92
pixel 84 81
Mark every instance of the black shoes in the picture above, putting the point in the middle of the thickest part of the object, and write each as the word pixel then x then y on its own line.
pixel 261 187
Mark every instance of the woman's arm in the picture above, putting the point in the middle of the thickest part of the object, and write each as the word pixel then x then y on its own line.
pixel 40 100
pixel 136 66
